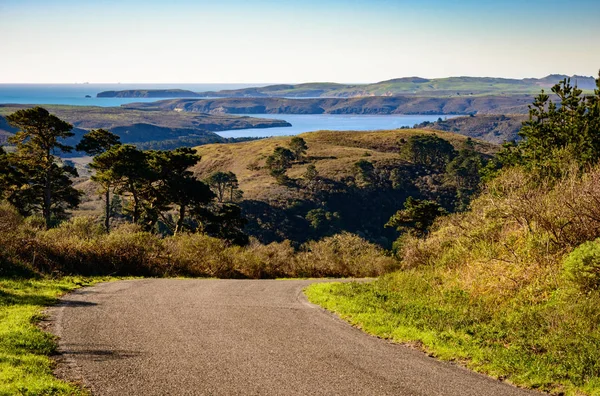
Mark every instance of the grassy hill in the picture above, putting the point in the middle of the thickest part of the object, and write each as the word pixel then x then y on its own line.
pixel 277 212
pixel 332 152
pixel 471 86
pixel 377 105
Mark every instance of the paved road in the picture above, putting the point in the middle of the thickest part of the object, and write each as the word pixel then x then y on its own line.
pixel 236 337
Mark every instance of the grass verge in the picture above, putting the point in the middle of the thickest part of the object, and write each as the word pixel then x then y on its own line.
pixel 515 343
pixel 25 364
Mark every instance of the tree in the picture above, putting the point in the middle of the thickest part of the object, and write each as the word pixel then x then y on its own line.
pixel 96 142
pixel 298 147
pixel 225 221
pixel 225 185
pixel 126 169
pixel 427 150
pixel 364 172
pixel 322 221
pixel 5 173
pixel 417 215
pixel 573 127
pixel 279 162
pixel 47 183
pixel 176 184
pixel 311 173
pixel 464 171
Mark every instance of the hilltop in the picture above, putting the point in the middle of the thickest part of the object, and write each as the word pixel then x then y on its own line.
pixel 470 86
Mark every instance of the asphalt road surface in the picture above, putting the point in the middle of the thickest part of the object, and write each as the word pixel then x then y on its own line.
pixel 236 337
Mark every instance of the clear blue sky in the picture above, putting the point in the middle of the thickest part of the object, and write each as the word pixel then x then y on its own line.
pixel 264 41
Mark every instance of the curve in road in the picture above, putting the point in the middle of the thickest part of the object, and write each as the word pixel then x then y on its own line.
pixel 237 337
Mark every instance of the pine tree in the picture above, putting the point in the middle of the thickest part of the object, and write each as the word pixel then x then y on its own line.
pixel 47 185
pixel 96 142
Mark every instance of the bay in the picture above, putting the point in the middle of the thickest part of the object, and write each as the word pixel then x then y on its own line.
pixel 332 122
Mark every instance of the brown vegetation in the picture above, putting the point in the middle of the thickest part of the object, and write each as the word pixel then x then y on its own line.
pixel 80 246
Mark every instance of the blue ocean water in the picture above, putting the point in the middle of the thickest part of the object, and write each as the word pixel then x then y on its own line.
pixel 74 94
pixel 332 122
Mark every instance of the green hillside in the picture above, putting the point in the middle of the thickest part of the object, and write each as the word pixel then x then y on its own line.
pixel 283 211
pixel 450 86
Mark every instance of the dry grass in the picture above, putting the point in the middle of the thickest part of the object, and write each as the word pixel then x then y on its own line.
pixel 80 246
pixel 490 287
pixel 333 154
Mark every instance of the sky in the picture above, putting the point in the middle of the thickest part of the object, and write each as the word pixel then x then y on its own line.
pixel 286 41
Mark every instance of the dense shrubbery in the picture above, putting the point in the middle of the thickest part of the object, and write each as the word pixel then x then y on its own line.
pixel 582 266
pixel 81 246
pixel 511 286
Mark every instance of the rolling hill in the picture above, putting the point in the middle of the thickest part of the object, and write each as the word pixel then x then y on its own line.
pixel 377 105
pixel 277 212
pixel 471 86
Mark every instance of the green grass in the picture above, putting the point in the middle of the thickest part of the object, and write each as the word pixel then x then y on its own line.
pixel 550 346
pixel 25 350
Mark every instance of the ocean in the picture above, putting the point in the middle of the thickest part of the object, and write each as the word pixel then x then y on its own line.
pixel 75 94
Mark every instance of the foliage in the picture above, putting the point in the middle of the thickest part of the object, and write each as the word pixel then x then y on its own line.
pixel 38 182
pixel 80 246
pixel 322 221
pixel 582 266
pixel 465 172
pixel 311 173
pixel 174 184
pixel 279 162
pixel 298 147
pixel 364 172
pixel 225 222
pixel 97 141
pixel 126 168
pixel 486 286
pixel 364 197
pixel 225 185
pixel 556 133
pixel 417 215
pixel 430 151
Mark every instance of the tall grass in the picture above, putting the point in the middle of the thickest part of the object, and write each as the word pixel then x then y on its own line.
pixel 490 287
pixel 79 246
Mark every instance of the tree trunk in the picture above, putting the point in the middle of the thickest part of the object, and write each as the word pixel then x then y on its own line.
pixel 47 207
pixel 107 210
pixel 136 206
pixel 179 226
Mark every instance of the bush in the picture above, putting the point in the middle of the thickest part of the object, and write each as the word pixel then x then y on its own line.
pixel 342 255
pixel 80 246
pixel 582 266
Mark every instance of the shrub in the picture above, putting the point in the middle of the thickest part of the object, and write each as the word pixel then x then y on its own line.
pixel 342 255
pixel 582 266
pixel 80 246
